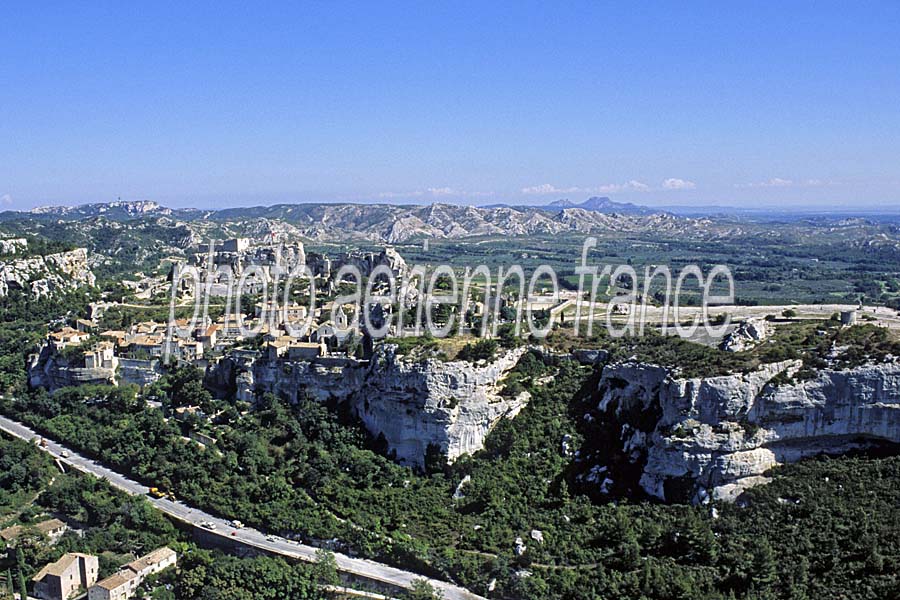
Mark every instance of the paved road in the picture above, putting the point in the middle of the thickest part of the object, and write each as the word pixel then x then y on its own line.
pixel 355 566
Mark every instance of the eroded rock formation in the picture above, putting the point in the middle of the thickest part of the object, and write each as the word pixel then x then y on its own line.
pixel 43 275
pixel 717 436
pixel 747 334
pixel 51 370
pixel 451 405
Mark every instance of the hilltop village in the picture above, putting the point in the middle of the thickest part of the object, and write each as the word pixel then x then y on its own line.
pixel 86 351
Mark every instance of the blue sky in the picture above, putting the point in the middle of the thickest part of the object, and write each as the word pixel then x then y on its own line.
pixel 757 104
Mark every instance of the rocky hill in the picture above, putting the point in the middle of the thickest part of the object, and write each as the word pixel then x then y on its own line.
pixel 113 210
pixel 140 233
pixel 392 224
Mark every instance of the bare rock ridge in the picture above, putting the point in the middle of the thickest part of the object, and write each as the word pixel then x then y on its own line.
pixel 716 436
pixel 385 223
pixel 417 405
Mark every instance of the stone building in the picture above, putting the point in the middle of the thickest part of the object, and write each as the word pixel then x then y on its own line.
pixel 62 579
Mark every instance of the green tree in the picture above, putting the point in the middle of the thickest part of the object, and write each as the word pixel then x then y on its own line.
pixel 422 590
pixel 20 567
pixel 9 584
pixel 325 571
pixel 764 570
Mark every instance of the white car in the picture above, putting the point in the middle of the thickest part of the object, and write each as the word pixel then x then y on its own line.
pixel 64 454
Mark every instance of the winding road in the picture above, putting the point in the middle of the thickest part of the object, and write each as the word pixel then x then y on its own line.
pixel 358 567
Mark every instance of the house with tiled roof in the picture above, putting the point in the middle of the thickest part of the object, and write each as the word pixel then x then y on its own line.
pixel 52 529
pixel 124 583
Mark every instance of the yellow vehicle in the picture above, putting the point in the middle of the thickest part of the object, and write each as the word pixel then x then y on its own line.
pixel 158 493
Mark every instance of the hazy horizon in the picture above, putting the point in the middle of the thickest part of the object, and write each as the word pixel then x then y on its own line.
pixel 711 209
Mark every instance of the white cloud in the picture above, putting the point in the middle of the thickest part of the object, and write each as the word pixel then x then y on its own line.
pixel 631 186
pixel 774 182
pixel 442 191
pixel 434 192
pixel 547 189
pixel 673 183
pixel 5 200
pixel 820 182
pixel 637 186
pixel 394 195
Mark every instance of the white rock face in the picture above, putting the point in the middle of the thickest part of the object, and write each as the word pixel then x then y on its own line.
pixel 13 245
pixel 294 379
pixel 43 275
pixel 413 403
pixel 720 434
pixel 452 405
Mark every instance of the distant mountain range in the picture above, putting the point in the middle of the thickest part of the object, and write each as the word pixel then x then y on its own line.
pixel 389 223
pixel 381 222
pixel 593 204
pixel 385 223
pixel 112 210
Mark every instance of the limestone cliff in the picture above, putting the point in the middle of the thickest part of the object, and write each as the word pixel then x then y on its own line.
pixel 716 436
pixel 414 403
pixel 417 403
pixel 13 245
pixel 43 275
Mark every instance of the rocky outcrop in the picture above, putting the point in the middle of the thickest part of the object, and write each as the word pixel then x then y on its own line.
pixel 448 405
pixel 746 335
pixel 717 436
pixel 13 245
pixel 417 405
pixel 120 209
pixel 51 370
pixel 321 380
pixel 44 275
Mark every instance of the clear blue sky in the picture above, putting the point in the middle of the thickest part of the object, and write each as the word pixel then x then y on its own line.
pixel 766 103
